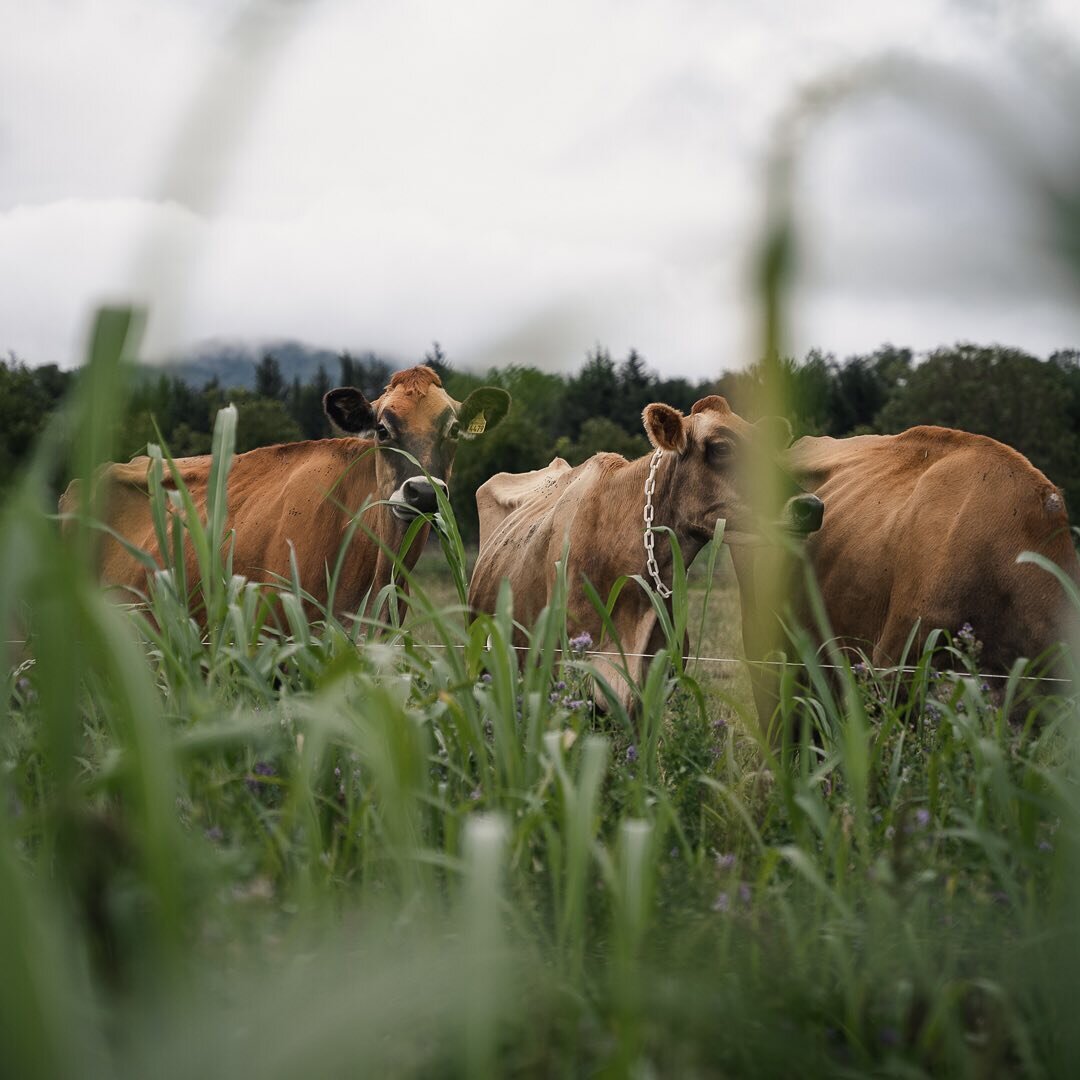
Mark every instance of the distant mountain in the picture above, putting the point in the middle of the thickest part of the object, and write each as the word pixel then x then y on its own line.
pixel 233 363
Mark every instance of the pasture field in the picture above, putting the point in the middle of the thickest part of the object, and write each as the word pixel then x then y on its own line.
pixel 390 850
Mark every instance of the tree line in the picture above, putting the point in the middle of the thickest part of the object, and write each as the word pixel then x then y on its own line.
pixel 1030 403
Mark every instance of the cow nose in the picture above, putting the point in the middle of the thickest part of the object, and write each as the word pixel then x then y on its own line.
pixel 419 493
pixel 804 513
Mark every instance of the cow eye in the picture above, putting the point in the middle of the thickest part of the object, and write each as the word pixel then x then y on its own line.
pixel 454 430
pixel 382 433
pixel 720 451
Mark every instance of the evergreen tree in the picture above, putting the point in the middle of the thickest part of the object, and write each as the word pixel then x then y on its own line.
pixel 435 358
pixel 308 413
pixel 348 369
pixel 594 391
pixel 373 374
pixel 637 388
pixel 269 382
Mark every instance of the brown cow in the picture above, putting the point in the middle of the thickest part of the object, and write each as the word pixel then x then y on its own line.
pixel 926 527
pixel 598 509
pixel 304 495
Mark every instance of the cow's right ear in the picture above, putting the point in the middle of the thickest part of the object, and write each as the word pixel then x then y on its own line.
pixel 776 430
pixel 664 426
pixel 349 411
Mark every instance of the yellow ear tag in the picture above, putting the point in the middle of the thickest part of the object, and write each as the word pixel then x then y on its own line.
pixel 477 424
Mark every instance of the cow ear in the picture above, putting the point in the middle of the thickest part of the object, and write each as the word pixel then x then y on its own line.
pixel 714 403
pixel 775 429
pixel 349 411
pixel 664 426
pixel 482 410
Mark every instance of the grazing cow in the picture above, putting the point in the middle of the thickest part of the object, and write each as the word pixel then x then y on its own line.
pixel 304 495
pixel 598 509
pixel 925 527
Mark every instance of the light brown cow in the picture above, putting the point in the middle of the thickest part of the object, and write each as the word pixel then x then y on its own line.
pixel 926 527
pixel 305 494
pixel 598 509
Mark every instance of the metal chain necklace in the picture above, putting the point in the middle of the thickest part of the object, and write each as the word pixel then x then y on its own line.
pixel 650 539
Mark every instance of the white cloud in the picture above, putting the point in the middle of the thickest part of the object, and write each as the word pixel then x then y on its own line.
pixel 518 181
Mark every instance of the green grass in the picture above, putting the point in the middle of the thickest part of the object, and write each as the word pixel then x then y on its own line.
pixel 341 850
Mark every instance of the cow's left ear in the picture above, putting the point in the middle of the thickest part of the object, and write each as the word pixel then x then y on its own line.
pixel 482 410
pixel 664 426
pixel 350 411
pixel 776 430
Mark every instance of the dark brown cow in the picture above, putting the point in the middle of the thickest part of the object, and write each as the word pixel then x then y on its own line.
pixel 304 495
pixel 527 519
pixel 925 527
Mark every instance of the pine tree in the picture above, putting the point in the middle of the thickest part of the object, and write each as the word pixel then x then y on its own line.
pixel 269 382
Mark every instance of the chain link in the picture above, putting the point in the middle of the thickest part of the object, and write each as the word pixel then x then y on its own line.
pixel 650 539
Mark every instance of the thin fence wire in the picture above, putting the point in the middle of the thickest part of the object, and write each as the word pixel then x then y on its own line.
pixel 737 661
pixel 898 670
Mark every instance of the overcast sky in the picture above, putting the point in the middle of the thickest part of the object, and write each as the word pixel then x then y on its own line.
pixel 519 181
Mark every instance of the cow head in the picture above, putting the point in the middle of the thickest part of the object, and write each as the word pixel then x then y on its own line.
pixel 416 415
pixel 716 458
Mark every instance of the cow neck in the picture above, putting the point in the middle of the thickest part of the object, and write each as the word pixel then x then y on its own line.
pixel 363 557
pixel 359 476
pixel 359 484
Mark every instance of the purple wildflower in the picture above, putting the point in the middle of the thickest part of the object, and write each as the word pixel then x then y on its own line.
pixel 486 677
pixel 745 893
pixel 922 817
pixel 259 769
pixel 722 902
pixel 582 642
pixel 631 753
pixel 560 685
pixel 725 861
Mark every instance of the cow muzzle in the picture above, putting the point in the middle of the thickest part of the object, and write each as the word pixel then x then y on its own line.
pixel 803 514
pixel 416 496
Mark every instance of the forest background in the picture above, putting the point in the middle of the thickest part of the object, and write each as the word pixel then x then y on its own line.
pixel 1028 402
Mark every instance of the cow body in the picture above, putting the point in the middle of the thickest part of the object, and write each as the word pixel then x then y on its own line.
pixel 594 513
pixel 296 501
pixel 293 497
pixel 924 529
